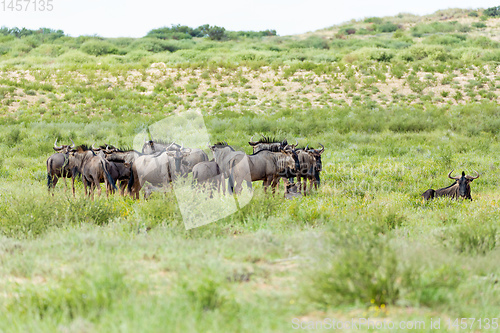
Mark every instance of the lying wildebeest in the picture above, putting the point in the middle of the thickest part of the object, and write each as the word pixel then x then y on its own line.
pixel 58 165
pixel 459 189
pixel 267 143
pixel 155 169
pixel 224 155
pixel 310 167
pixel 94 170
pixel 291 191
pixel 208 174
pixel 265 165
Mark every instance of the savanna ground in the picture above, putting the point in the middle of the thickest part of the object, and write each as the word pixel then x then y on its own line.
pixel 397 103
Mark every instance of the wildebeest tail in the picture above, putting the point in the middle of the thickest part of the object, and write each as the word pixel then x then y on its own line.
pixel 49 180
pixel 130 180
pixel 49 177
pixel 230 181
pixel 316 177
pixel 108 176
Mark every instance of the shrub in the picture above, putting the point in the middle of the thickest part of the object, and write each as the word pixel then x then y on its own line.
pixel 471 239
pixel 98 48
pixel 364 271
pixel 216 33
pixel 376 20
pixel 479 25
pixel 492 11
pixel 386 27
pixel 82 296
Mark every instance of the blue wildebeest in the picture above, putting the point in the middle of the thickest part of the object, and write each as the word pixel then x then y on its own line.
pixel 459 189
pixel 193 156
pixel 118 169
pixel 156 169
pixel 58 165
pixel 267 143
pixel 224 155
pixel 94 170
pixel 114 154
pixel 153 147
pixel 265 165
pixel 310 167
pixel 208 174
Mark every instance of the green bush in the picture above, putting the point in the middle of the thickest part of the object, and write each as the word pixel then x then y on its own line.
pixel 98 48
pixel 492 11
pixel 363 271
pixel 86 296
pixel 386 27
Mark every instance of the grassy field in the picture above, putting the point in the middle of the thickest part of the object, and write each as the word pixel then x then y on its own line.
pixel 398 103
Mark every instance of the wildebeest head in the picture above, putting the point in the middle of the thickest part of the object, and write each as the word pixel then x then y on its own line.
pixel 178 155
pixel 63 148
pixel 290 164
pixel 317 155
pixel 463 183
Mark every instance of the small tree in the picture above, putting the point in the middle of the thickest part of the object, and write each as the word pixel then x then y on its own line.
pixel 216 33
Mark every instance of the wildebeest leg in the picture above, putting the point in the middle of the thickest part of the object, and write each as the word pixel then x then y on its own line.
pixel 304 184
pixel 222 183
pixel 311 183
pixel 266 183
pixel 274 184
pixel 84 181
pixel 123 185
pixel 54 181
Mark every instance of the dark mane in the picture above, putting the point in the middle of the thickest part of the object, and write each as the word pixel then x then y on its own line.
pixel 269 139
pixel 124 149
pixel 221 144
pixel 121 149
pixel 83 148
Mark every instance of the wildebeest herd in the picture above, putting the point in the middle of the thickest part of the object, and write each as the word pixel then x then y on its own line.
pixel 161 163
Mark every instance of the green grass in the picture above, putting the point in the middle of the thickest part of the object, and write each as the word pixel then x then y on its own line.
pixel 395 111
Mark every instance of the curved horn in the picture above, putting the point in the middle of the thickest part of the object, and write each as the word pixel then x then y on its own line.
pixel 306 147
pixel 226 143
pixel 322 149
pixel 449 176
pixel 296 143
pixel 73 145
pixel 470 177
pixel 56 146
pixel 251 141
